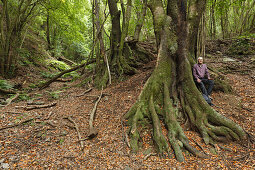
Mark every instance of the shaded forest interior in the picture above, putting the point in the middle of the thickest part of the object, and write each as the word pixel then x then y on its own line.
pixel 108 84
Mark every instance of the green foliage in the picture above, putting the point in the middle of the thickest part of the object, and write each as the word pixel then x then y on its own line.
pixel 47 74
pixel 55 94
pixel 5 85
pixel 59 65
pixel 241 46
pixel 23 97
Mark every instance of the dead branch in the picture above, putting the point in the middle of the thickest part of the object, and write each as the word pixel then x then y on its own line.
pixel 46 84
pixel 147 156
pixel 93 131
pixel 35 103
pixel 77 129
pixel 63 80
pixel 47 122
pixel 13 112
pixel 48 117
pixel 84 92
pixel 18 124
pixel 39 106
pixel 67 61
pixel 11 99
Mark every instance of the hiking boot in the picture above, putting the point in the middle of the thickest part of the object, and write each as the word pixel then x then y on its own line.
pixel 210 98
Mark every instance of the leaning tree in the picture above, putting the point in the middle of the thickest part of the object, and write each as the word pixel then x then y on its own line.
pixel 170 90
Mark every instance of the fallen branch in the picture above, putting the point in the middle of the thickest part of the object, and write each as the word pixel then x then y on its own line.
pixel 11 99
pixel 46 84
pixel 92 130
pixel 84 92
pixel 18 124
pixel 48 117
pixel 77 129
pixel 147 156
pixel 13 112
pixel 40 106
pixel 64 80
pixel 67 61
pixel 35 103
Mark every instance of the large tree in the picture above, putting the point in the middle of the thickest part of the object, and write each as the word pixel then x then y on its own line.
pixel 171 92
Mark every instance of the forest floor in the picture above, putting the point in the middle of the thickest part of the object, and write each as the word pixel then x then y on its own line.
pixel 46 139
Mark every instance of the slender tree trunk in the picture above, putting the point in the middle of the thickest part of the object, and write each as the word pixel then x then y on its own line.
pixel 125 25
pixel 48 30
pixel 196 10
pixel 115 32
pixel 140 19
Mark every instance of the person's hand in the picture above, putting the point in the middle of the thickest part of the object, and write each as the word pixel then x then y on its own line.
pixel 198 80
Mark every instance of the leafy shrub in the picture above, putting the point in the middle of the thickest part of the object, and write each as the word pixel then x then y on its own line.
pixel 5 85
pixel 59 65
pixel 241 46
pixel 55 94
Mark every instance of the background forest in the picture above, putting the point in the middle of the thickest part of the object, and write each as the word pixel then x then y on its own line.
pixel 60 58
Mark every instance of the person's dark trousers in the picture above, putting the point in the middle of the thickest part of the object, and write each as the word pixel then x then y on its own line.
pixel 202 85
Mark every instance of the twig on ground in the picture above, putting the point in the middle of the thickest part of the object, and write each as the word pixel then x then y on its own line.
pixel 47 122
pixel 147 156
pixel 63 80
pixel 13 112
pixel 77 129
pixel 92 130
pixel 48 117
pixel 18 124
pixel 35 103
pixel 11 99
pixel 39 106
pixel 84 92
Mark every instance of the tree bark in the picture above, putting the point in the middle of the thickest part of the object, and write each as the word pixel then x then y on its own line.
pixel 170 92
pixel 140 19
pixel 197 8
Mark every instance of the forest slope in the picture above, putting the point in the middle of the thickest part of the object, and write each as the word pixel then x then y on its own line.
pixel 50 140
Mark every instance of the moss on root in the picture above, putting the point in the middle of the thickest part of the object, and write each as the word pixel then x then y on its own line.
pixel 211 125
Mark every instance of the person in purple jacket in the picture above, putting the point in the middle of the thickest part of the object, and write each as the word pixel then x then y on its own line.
pixel 202 77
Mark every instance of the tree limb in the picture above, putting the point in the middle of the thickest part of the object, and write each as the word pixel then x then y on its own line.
pixel 11 99
pixel 40 106
pixel 11 126
pixel 46 84
pixel 77 129
pixel 92 131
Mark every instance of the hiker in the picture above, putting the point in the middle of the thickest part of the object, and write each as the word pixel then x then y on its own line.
pixel 202 79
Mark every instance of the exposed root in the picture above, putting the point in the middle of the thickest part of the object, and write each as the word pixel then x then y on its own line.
pixel 158 136
pixel 134 134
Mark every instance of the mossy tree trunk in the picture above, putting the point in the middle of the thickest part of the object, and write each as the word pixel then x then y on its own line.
pixel 11 27
pixel 170 91
pixel 122 50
